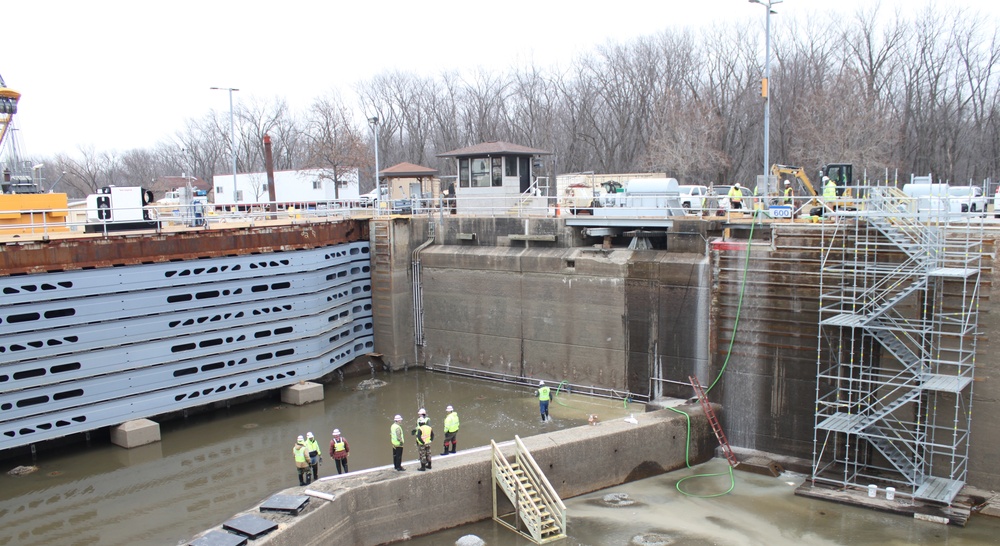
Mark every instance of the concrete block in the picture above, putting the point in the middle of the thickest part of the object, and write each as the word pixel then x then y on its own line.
pixel 135 433
pixel 302 393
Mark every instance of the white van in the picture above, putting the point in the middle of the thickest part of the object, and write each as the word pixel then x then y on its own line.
pixel 967 199
pixel 929 200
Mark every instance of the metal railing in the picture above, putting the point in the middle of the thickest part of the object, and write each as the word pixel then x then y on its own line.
pixel 536 504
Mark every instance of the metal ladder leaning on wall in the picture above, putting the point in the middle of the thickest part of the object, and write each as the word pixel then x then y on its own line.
pixel 539 514
pixel 713 420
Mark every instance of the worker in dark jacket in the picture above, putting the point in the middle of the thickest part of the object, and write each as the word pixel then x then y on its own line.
pixel 339 450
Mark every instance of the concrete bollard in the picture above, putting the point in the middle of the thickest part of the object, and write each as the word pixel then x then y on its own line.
pixel 302 393
pixel 138 432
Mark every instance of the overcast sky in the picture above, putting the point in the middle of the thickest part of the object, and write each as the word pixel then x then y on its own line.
pixel 118 75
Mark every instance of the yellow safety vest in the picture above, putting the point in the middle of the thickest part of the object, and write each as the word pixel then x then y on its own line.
pixel 788 196
pixel 338 445
pixel 312 446
pixel 830 190
pixel 543 394
pixel 735 194
pixel 396 435
pixel 299 451
pixel 451 422
pixel 423 434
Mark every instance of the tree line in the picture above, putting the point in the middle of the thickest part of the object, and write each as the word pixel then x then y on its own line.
pixel 887 92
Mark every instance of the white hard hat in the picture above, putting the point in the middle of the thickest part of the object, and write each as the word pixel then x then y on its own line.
pixel 540 383
pixel 826 179
pixel 397 418
pixel 421 411
pixel 309 435
pixel 300 439
pixel 737 184
pixel 787 182
pixel 336 432
pixel 449 408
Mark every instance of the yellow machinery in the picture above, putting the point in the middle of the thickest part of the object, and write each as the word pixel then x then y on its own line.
pixel 840 173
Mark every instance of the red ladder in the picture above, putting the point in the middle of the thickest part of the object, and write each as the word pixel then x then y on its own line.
pixel 714 421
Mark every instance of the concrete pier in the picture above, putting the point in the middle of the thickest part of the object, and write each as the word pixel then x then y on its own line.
pixel 135 433
pixel 302 394
pixel 382 505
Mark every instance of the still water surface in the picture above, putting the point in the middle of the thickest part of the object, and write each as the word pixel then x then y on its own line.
pixel 209 467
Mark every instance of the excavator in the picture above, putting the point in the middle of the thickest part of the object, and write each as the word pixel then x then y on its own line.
pixel 841 173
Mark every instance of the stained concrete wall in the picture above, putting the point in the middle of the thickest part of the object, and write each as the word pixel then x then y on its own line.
pixel 569 310
pixel 386 506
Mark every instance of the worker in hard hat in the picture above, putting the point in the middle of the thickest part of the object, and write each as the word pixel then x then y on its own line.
pixel 339 450
pixel 396 437
pixel 789 194
pixel 312 448
pixel 450 431
pixel 544 395
pixel 423 413
pixel 735 197
pixel 301 460
pixel 829 189
pixel 424 436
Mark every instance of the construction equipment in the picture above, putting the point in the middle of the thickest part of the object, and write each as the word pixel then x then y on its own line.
pixel 841 173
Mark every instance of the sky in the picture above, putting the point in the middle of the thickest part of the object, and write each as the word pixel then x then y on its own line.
pixel 117 75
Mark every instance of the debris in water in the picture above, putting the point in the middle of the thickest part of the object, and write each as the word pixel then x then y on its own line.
pixel 617 499
pixel 652 539
pixel 370 384
pixel 470 540
pixel 22 470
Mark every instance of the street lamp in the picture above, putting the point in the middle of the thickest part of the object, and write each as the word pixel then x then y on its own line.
pixel 767 79
pixel 232 135
pixel 374 123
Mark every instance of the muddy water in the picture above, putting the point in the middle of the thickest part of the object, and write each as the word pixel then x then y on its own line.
pixel 759 511
pixel 209 467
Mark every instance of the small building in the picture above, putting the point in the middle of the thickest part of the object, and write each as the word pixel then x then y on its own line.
pixel 162 185
pixel 496 176
pixel 409 181
pixel 303 188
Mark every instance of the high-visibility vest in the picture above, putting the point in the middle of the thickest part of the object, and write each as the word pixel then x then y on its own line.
pixel 299 451
pixel 735 194
pixel 788 196
pixel 543 394
pixel 451 422
pixel 312 446
pixel 830 190
pixel 396 435
pixel 423 434
pixel 338 444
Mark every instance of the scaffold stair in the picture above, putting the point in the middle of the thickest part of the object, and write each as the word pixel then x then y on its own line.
pixel 539 514
pixel 713 420
pixel 895 450
pixel 858 422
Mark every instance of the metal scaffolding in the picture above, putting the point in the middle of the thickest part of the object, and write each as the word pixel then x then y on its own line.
pixel 896 349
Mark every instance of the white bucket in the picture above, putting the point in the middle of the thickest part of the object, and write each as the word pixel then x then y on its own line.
pixel 890 493
pixel 872 490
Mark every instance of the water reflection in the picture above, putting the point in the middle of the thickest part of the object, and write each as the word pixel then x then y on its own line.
pixel 209 467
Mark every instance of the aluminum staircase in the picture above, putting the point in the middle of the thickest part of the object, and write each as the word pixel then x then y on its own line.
pixel 898 325
pixel 538 513
pixel 713 420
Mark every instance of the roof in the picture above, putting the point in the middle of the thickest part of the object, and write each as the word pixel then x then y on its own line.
pixel 170 183
pixel 494 148
pixel 407 170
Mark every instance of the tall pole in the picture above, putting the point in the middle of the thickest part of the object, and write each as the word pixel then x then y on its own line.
pixel 765 85
pixel 378 194
pixel 232 137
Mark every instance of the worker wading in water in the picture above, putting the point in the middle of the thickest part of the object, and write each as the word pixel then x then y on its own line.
pixel 339 450
pixel 424 436
pixel 544 395
pixel 301 461
pixel 396 437
pixel 450 430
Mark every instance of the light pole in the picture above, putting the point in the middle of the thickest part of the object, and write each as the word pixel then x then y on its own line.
pixel 232 136
pixel 767 79
pixel 378 194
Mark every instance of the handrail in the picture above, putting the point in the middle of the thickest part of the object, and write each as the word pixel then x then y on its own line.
pixel 548 489
pixel 529 510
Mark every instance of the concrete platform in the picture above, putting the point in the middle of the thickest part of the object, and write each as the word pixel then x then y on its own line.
pixel 302 394
pixel 957 514
pixel 135 433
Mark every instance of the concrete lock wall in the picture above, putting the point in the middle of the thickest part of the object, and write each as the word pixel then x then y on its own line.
pixel 569 310
pixel 386 506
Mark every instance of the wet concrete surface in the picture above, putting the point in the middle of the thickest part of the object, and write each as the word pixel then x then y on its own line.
pixel 760 510
pixel 211 466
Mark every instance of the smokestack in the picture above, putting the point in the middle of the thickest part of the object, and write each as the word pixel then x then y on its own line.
pixel 269 168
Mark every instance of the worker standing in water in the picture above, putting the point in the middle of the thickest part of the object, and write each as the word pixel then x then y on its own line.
pixel 301 463
pixel 424 437
pixel 450 430
pixel 396 437
pixel 312 448
pixel 339 450
pixel 544 395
